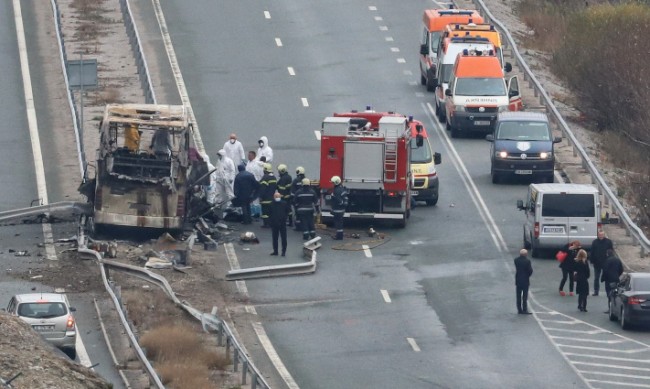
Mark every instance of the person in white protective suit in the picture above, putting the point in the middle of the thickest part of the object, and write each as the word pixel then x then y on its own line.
pixel 235 150
pixel 210 193
pixel 264 150
pixel 226 166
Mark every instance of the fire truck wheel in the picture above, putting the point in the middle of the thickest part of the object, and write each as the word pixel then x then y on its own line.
pixel 432 202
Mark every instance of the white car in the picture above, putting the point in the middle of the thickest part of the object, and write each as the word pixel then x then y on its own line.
pixel 50 315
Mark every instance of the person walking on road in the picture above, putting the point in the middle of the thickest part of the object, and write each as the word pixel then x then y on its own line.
pixel 245 188
pixel 612 271
pixel 568 264
pixel 284 187
pixel 306 204
pixel 268 186
pixel 524 270
pixel 581 275
pixel 278 221
pixel 598 256
pixel 235 150
pixel 339 204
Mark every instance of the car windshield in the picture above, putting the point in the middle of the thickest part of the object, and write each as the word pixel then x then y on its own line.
pixel 42 310
pixel 420 154
pixel 641 284
pixel 523 130
pixel 480 87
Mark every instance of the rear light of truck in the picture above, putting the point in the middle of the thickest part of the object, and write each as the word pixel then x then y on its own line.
pixel 180 206
pixel 635 301
pixel 69 325
pixel 536 230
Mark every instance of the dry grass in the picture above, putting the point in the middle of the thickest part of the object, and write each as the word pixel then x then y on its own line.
pixel 147 309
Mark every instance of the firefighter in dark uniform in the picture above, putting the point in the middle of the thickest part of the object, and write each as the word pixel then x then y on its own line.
pixel 339 203
pixel 305 201
pixel 295 185
pixel 284 188
pixel 268 186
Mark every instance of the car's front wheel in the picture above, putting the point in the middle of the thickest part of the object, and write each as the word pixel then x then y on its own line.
pixel 625 324
pixel 612 315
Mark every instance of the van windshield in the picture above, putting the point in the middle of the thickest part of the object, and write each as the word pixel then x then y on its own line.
pixel 420 154
pixel 480 87
pixel 523 130
pixel 568 205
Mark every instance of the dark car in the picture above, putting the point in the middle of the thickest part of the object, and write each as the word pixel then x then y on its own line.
pixel 630 302
pixel 522 145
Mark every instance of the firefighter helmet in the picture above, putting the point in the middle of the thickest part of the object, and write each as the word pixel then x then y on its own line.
pixel 300 170
pixel 268 168
pixel 336 180
pixel 306 182
pixel 282 168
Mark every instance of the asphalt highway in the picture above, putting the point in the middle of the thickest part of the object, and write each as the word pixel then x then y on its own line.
pixel 432 307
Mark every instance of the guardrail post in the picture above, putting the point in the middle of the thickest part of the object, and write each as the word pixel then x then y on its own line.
pixel 235 359
pixel 220 334
pixel 244 371
pixel 253 381
pixel 228 345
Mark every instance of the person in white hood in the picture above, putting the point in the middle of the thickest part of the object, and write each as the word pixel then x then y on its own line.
pixel 226 166
pixel 235 150
pixel 264 150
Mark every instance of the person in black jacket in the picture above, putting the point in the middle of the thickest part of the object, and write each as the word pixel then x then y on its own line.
pixel 611 273
pixel 305 201
pixel 295 185
pixel 524 270
pixel 278 211
pixel 581 275
pixel 284 187
pixel 268 186
pixel 598 255
pixel 568 264
pixel 245 189
pixel 339 204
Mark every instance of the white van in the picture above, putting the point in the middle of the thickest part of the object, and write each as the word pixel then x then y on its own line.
pixel 559 213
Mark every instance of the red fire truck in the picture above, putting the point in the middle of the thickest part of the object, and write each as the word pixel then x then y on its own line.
pixel 370 151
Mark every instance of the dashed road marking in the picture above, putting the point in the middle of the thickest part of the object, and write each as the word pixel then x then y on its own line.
pixel 383 28
pixel 389 39
pixel 401 60
pixel 413 344
pixel 305 102
pixel 291 71
pixel 394 49
pixel 366 251
pixel 379 18
pixel 372 8
pixel 278 42
pixel 267 15
pixel 385 295
pixel 408 73
pixel 419 94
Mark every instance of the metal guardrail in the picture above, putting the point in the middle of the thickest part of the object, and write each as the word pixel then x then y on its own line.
pixel 71 102
pixel 638 237
pixel 49 209
pixel 138 52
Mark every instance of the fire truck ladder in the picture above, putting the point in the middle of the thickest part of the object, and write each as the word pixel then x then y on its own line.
pixel 390 156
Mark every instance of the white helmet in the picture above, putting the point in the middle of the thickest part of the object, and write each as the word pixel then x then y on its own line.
pixel 268 168
pixel 336 180
pixel 282 168
pixel 306 182
pixel 300 170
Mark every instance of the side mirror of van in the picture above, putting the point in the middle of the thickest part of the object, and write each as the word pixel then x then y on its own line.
pixel 72 309
pixel 424 50
pixel 437 158
pixel 520 205
pixel 489 138
pixel 557 139
pixel 508 67
pixel 448 92
pixel 419 140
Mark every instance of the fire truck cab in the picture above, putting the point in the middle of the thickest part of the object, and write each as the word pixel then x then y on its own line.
pixel 370 151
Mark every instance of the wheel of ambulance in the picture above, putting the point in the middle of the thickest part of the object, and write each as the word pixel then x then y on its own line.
pixel 612 316
pixel 534 250
pixel 526 243
pixel 430 86
pixel 442 116
pixel 625 324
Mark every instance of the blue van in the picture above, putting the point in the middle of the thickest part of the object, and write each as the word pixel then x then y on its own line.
pixel 522 146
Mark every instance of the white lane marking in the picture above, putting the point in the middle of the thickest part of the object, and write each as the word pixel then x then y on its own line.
pixel 620 383
pixel 32 122
pixel 278 42
pixel 593 332
pixel 408 73
pixel 394 49
pixel 372 8
pixel 389 39
pixel 291 71
pixel 383 28
pixel 575 339
pixel 414 345
pixel 241 285
pixel 608 357
pixel 304 101
pixel 639 377
pixel 401 60
pixel 267 15
pixel 419 94
pixel 379 18
pixel 273 356
pixel 609 350
pixel 82 353
pixel 366 251
pixel 385 295
pixel 318 134
pixel 178 76
pixel 622 367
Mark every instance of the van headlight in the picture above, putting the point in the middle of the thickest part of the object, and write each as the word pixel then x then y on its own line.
pixel 501 154
pixel 459 108
pixel 503 108
pixel 544 155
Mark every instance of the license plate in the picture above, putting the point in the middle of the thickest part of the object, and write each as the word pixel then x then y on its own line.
pixel 481 122
pixel 414 193
pixel 523 172
pixel 43 328
pixel 553 230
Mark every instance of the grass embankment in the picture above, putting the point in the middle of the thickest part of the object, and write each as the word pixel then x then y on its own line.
pixel 601 52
